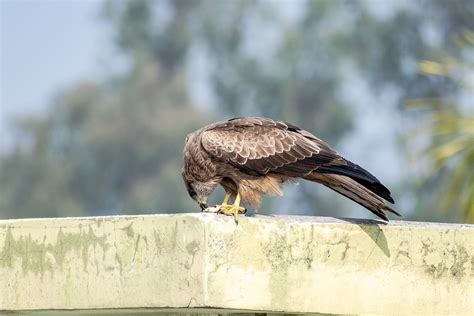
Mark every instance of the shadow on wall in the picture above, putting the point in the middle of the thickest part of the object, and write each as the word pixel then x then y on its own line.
pixel 373 229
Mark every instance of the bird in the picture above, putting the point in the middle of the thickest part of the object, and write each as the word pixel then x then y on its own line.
pixel 253 156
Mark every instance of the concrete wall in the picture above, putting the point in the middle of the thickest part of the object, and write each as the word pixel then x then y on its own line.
pixel 196 263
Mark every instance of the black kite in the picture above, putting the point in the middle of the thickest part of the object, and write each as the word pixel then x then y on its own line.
pixel 254 156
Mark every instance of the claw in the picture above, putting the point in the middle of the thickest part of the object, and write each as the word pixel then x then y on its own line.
pixel 233 210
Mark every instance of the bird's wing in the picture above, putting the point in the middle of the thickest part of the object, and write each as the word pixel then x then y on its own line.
pixel 259 145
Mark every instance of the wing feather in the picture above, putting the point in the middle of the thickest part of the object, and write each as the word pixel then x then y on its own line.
pixel 260 145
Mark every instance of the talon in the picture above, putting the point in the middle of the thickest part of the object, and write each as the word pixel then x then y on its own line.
pixel 234 209
pixel 236 217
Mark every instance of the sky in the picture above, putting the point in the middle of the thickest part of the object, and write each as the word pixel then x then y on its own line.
pixel 45 45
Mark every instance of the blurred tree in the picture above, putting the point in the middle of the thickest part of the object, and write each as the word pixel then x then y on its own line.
pixel 110 147
pixel 264 63
pixel 387 48
pixel 297 74
pixel 113 146
pixel 291 75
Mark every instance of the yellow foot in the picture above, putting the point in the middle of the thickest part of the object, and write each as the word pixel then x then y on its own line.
pixel 233 209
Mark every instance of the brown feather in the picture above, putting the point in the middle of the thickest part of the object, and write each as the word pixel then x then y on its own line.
pixel 354 191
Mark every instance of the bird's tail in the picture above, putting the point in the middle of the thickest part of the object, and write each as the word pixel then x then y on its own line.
pixel 353 190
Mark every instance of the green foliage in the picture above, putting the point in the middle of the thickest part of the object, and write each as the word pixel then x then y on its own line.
pixel 115 146
pixel 449 130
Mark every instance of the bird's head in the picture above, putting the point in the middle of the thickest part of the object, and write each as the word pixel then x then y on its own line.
pixel 196 194
pixel 199 191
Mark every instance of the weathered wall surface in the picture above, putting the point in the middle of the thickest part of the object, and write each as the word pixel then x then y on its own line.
pixel 196 262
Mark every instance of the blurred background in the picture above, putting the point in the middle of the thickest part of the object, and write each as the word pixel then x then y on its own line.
pixel 97 97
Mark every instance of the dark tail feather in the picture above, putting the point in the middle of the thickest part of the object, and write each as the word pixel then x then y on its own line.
pixel 354 191
pixel 360 175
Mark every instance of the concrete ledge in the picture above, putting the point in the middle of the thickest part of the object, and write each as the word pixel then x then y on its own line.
pixel 195 263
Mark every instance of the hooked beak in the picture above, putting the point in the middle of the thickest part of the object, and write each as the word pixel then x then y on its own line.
pixel 202 204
